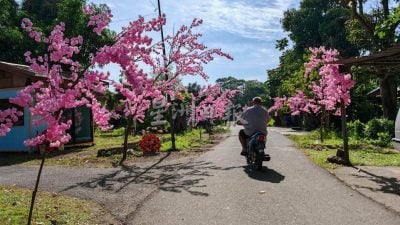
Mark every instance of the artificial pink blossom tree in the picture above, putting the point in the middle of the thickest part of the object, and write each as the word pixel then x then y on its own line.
pixel 132 51
pixel 135 52
pixel 211 105
pixel 328 93
pixel 186 56
pixel 65 85
pixel 62 89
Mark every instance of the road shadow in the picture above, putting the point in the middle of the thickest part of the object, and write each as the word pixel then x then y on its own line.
pixel 387 184
pixel 169 176
pixel 265 174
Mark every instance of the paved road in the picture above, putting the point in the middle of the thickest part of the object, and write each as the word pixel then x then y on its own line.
pixel 296 192
pixel 216 188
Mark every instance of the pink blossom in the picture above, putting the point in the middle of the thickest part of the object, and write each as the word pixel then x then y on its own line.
pixel 99 17
pixel 187 54
pixel 278 105
pixel 212 103
pixel 7 118
pixel 48 99
pixel 327 92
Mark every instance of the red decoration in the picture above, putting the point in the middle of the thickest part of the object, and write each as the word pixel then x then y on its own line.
pixel 150 144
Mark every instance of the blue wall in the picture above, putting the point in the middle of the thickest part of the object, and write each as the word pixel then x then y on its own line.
pixel 14 140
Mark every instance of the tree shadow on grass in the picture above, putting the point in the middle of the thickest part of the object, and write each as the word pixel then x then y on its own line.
pixel 265 174
pixel 387 184
pixel 172 177
pixel 15 158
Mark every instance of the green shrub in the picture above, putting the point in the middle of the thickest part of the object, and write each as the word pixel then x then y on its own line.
pixel 384 140
pixel 110 133
pixel 271 122
pixel 356 129
pixel 375 126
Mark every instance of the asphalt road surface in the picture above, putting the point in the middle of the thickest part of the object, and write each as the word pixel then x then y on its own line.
pixel 215 188
pixel 289 190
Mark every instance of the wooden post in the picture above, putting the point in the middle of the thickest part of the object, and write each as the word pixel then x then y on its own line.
pixel 346 157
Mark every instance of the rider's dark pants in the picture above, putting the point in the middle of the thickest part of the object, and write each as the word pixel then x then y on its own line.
pixel 242 138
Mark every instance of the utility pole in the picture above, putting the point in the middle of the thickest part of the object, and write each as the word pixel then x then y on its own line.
pixel 171 120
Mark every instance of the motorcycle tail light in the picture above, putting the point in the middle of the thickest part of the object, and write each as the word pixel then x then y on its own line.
pixel 261 138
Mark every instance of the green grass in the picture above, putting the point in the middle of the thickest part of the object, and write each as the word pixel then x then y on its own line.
pixel 86 155
pixel 49 208
pixel 111 143
pixel 186 141
pixel 361 153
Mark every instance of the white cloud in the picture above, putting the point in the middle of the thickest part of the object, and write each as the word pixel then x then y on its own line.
pixel 246 29
pixel 247 19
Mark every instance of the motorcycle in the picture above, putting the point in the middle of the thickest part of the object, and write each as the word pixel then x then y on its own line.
pixel 255 150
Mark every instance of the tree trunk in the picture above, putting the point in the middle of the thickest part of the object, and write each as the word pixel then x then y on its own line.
pixel 321 131
pixel 385 6
pixel 360 7
pixel 388 89
pixel 36 188
pixel 200 133
pixel 346 158
pixel 180 123
pixel 172 127
pixel 127 131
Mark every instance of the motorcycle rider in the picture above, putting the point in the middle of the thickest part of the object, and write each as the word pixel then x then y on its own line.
pixel 254 119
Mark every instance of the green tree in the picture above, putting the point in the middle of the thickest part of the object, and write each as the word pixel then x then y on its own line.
pixel 45 14
pixel 317 23
pixel 290 63
pixel 13 44
pixel 250 89
pixel 194 88
pixel 43 11
pixel 230 82
pixel 313 24
pixel 70 12
pixel 254 88
pixel 376 31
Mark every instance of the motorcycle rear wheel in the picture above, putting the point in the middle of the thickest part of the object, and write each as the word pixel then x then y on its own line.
pixel 258 164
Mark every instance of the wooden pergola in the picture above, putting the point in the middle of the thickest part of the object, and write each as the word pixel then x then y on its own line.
pixel 390 56
pixel 382 59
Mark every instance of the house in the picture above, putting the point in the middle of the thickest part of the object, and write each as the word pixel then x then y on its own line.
pixel 13 78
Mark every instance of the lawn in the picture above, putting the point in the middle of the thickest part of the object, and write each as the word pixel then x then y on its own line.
pixel 108 146
pixel 49 208
pixel 361 153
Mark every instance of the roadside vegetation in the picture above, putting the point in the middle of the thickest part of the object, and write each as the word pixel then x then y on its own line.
pixel 52 208
pixel 370 145
pixel 106 151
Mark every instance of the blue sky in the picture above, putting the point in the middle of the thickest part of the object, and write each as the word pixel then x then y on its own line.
pixel 246 29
